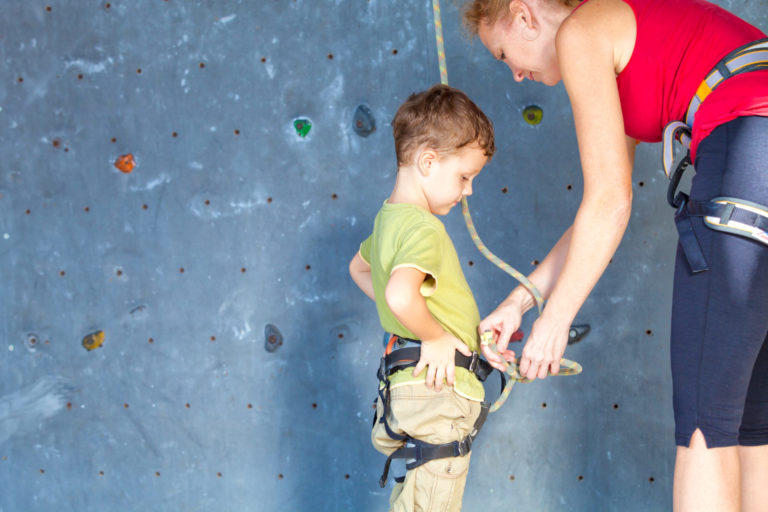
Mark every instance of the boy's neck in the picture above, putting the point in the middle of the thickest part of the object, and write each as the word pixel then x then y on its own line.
pixel 408 188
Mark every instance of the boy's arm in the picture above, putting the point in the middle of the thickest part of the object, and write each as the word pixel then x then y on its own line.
pixel 438 347
pixel 361 275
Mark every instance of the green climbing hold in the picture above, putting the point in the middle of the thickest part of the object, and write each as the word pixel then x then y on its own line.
pixel 533 114
pixel 302 127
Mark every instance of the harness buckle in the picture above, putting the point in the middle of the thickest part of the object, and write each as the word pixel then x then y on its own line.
pixel 381 373
pixel 464 446
pixel 474 362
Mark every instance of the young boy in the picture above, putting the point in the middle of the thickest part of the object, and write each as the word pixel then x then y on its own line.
pixel 410 268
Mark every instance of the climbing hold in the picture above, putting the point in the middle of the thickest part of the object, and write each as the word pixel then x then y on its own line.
pixel 302 127
pixel 93 341
pixel 363 121
pixel 577 332
pixel 125 163
pixel 272 338
pixel 533 114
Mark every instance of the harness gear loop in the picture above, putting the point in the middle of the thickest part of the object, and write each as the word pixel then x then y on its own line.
pixel 674 131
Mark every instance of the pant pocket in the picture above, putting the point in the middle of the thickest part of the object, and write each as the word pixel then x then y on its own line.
pixel 438 485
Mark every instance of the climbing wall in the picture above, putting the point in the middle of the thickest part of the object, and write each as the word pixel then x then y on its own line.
pixel 182 184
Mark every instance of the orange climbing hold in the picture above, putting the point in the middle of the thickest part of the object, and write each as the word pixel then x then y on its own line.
pixel 125 163
pixel 93 341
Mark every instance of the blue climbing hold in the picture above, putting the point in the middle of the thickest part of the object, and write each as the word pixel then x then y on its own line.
pixel 363 121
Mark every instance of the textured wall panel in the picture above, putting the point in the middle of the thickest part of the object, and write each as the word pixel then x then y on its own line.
pixel 231 221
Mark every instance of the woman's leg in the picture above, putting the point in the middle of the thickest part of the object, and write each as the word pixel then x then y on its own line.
pixel 719 324
pixel 754 478
pixel 706 479
pixel 753 438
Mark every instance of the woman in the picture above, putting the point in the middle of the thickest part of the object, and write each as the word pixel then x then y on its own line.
pixel 630 67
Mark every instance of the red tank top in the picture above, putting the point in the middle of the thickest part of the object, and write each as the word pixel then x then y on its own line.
pixel 678 43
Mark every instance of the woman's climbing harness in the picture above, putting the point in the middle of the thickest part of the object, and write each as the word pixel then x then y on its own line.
pixel 727 214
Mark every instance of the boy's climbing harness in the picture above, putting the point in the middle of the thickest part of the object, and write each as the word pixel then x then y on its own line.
pixel 417 452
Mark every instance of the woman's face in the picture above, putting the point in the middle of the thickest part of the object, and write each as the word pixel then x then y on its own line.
pixel 532 57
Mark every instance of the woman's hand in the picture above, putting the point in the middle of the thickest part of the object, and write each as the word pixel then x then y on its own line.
pixel 544 348
pixel 502 323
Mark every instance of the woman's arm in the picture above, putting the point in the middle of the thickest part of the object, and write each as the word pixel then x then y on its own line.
pixel 506 318
pixel 589 46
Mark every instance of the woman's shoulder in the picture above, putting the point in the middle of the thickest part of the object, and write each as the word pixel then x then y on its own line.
pixel 609 24
pixel 600 17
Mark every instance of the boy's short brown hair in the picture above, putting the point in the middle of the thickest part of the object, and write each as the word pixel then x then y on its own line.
pixel 442 118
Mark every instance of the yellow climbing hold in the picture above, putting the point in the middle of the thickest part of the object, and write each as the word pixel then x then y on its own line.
pixel 533 114
pixel 93 340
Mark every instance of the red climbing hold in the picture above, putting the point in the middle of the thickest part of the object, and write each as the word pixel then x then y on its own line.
pixel 125 163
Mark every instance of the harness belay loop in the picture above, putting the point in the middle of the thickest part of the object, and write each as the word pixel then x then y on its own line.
pixel 727 214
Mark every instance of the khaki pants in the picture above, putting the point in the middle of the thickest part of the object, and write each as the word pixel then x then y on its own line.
pixel 433 417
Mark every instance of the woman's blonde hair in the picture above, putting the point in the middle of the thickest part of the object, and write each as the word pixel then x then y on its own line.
pixel 476 12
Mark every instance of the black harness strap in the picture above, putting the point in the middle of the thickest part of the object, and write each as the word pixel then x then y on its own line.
pixel 407 357
pixel 419 451
pixel 423 452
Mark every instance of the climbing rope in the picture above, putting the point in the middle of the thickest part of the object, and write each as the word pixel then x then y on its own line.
pixel 567 367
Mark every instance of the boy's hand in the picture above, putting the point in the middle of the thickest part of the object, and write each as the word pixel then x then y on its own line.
pixel 439 356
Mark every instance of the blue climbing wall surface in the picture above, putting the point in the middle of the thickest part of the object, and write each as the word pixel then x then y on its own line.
pixel 180 333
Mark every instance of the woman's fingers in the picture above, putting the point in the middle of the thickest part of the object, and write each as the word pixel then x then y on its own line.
pixel 493 358
pixel 543 351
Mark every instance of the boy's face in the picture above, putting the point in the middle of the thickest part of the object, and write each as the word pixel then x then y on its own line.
pixel 450 178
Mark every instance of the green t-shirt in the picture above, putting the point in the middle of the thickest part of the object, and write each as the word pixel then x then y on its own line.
pixel 406 235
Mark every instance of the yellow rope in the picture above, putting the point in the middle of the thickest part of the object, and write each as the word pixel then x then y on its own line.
pixel 440 42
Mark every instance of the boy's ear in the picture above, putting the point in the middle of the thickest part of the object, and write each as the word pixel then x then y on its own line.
pixel 426 160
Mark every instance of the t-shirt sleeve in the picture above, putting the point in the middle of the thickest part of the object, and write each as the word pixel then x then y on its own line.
pixel 365 250
pixel 421 249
